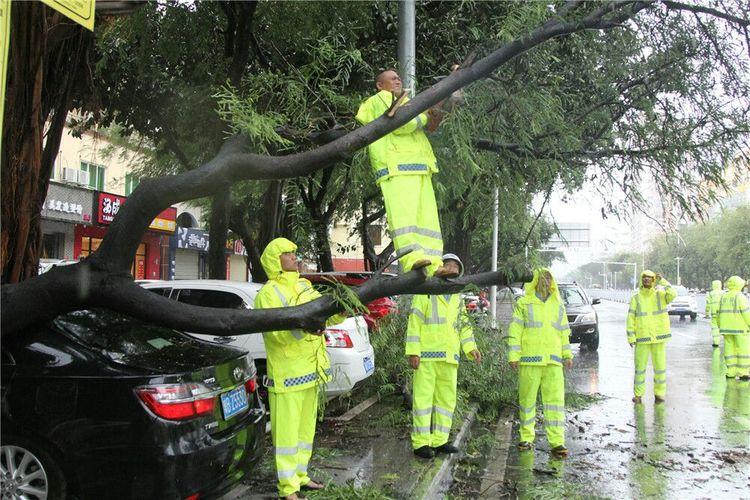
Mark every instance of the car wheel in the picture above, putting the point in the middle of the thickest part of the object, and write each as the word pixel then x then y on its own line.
pixel 592 343
pixel 693 317
pixel 28 471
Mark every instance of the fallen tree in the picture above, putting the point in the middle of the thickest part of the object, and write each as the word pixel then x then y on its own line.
pixel 103 279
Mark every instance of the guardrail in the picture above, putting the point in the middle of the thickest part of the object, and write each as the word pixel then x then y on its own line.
pixel 610 294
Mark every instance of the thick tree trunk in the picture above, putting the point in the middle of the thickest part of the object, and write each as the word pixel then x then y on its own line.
pixel 219 226
pixel 323 246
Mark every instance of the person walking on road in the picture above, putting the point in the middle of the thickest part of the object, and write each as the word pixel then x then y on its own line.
pixel 437 332
pixel 297 365
pixel 734 326
pixel 539 345
pixel 648 330
pixel 403 163
pixel 713 298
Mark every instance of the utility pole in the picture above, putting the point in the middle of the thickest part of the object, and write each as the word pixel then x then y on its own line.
pixel 493 264
pixel 406 44
pixel 678 259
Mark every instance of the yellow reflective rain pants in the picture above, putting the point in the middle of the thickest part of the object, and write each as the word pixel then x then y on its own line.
pixel 413 223
pixel 658 354
pixel 293 416
pixel 434 399
pixel 550 379
pixel 737 355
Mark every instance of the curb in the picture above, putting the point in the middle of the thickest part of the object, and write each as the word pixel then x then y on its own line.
pixel 435 478
pixel 494 476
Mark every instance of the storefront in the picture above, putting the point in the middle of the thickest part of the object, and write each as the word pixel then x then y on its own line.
pixel 189 249
pixel 151 260
pixel 65 208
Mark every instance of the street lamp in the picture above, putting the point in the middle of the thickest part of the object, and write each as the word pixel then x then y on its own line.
pixel 678 259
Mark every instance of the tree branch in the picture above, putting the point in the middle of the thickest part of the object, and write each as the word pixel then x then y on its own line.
pixel 698 9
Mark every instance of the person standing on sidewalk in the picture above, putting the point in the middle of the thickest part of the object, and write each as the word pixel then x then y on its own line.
pixel 437 332
pixel 539 345
pixel 713 298
pixel 734 326
pixel 648 330
pixel 297 365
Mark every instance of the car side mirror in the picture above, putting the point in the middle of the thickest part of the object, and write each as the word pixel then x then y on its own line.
pixel 596 301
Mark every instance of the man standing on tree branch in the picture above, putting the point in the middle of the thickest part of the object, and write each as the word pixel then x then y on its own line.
pixel 298 365
pixel 403 163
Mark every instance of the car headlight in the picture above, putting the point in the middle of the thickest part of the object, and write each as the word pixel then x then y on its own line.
pixel 587 318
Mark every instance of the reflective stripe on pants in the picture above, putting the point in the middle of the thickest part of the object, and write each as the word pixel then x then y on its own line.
pixel 658 354
pixel 434 400
pixel 293 418
pixel 737 355
pixel 412 215
pixel 552 383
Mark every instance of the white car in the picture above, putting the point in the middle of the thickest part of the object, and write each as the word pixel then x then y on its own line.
pixel 348 343
pixel 684 304
pixel 47 264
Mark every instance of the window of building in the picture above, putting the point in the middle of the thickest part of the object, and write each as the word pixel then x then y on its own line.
pixel 96 175
pixel 131 182
pixel 376 233
pixel 137 269
pixel 53 246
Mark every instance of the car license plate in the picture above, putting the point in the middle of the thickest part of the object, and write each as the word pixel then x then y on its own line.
pixel 234 402
pixel 369 365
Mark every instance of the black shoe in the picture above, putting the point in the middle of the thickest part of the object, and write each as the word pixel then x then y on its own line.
pixel 446 448
pixel 745 377
pixel 714 345
pixel 424 452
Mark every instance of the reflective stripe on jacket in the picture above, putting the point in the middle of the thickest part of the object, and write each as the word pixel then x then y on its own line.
pixel 296 360
pixel 439 329
pixel 648 320
pixel 539 333
pixel 406 150
pixel 734 310
pixel 713 298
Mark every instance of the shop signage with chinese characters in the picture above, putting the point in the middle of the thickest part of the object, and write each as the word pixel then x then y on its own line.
pixel 67 203
pixel 108 205
pixel 192 239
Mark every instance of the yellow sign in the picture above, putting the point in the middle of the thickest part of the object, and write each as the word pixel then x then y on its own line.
pixel 4 43
pixel 80 11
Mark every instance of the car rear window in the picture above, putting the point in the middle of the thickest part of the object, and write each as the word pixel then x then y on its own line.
pixel 127 340
pixel 572 296
pixel 210 298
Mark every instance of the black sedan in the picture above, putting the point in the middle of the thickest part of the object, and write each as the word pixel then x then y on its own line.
pixel 582 318
pixel 98 405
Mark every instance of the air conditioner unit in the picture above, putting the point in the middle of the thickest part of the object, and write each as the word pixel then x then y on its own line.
pixel 70 175
pixel 83 178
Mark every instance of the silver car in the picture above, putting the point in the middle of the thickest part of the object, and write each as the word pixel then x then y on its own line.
pixel 348 343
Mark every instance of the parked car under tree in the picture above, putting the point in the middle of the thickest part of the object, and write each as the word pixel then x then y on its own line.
pixel 99 405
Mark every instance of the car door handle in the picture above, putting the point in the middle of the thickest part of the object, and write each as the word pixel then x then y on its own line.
pixel 224 340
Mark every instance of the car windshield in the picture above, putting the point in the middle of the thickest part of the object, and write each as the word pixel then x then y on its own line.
pixel 131 341
pixel 572 296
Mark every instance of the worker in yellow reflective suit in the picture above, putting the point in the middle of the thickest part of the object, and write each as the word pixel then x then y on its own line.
pixel 713 298
pixel 538 341
pixel 403 164
pixel 734 326
pixel 648 329
pixel 297 365
pixel 437 332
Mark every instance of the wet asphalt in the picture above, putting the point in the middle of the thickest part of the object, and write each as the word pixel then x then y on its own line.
pixel 695 445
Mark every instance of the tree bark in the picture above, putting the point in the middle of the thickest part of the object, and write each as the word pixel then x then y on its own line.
pixel 323 245
pixel 219 225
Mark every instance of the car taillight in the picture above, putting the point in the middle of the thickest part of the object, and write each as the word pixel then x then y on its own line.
pixel 338 338
pixel 251 385
pixel 177 401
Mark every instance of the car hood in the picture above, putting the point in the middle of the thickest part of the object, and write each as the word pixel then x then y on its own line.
pixel 579 309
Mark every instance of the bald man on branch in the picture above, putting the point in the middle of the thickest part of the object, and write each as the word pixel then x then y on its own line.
pixel 403 163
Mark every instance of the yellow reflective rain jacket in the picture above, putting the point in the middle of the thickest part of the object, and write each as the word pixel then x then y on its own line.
pixel 439 328
pixel 648 320
pixel 734 310
pixel 539 333
pixel 296 360
pixel 713 298
pixel 406 150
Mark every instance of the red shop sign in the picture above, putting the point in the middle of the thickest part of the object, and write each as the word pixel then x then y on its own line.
pixel 109 204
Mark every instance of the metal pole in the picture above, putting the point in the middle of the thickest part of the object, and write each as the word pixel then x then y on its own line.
pixel 635 277
pixel 678 259
pixel 495 231
pixel 406 44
